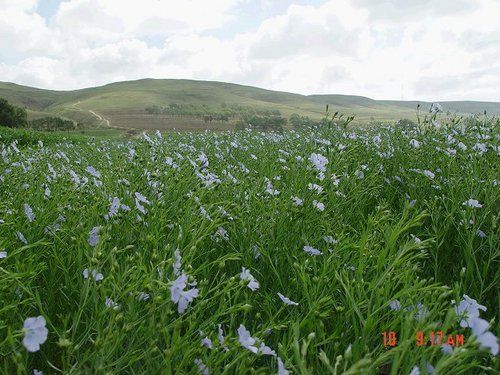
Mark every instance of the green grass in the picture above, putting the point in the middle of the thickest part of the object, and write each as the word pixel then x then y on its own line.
pixel 119 102
pixel 401 234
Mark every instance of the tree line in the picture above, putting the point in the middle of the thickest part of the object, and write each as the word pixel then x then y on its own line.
pixel 223 113
pixel 12 116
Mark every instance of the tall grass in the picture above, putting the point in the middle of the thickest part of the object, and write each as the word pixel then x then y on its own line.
pixel 395 226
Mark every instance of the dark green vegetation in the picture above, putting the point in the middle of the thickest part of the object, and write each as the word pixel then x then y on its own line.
pixel 12 116
pixel 16 117
pixel 411 214
pixel 52 124
pixel 123 104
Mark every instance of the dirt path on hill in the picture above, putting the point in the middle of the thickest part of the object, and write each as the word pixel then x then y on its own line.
pixel 102 119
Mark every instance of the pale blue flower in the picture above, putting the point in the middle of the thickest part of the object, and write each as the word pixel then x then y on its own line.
pixel 474 203
pixel 297 201
pixel 319 162
pixel 220 334
pixel 486 339
pixel 35 333
pixel 201 366
pixel 246 340
pixel 286 300
pixel 143 296
pixel 180 296
pixel 29 212
pixel 93 172
pixel 21 237
pixel 110 304
pixel 246 275
pixel 468 310
pixel 206 342
pixel 281 368
pixel 414 143
pixel 311 250
pixel 318 205
pixel 97 276
pixel 94 236
pixel 177 264
pixel 395 305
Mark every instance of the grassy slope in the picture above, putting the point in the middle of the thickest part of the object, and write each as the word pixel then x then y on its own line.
pixel 123 102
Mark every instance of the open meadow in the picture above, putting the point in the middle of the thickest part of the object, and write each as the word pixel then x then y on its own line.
pixel 329 250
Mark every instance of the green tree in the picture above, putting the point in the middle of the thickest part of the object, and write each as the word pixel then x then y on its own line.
pixel 12 116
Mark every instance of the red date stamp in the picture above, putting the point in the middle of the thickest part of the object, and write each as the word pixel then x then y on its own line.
pixel 390 338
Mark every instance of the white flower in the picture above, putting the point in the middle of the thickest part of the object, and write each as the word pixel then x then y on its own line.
pixel 281 368
pixel 414 143
pixel 311 250
pixel 429 174
pixel 415 371
pixel 474 203
pixel 485 338
pixel 319 162
pixel 297 201
pixel 29 212
pixel 246 275
pixel 3 254
pixel 95 274
pixel 286 300
pixel 180 296
pixel 35 333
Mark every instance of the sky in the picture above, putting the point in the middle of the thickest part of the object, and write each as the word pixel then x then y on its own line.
pixel 384 49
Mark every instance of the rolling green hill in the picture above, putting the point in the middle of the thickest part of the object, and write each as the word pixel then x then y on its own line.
pixel 122 104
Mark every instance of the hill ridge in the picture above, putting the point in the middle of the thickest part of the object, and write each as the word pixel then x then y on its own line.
pixel 124 102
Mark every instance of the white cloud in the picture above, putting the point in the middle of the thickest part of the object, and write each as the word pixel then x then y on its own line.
pixel 435 50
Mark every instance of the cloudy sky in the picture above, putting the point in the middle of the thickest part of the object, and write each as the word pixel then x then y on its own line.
pixel 384 49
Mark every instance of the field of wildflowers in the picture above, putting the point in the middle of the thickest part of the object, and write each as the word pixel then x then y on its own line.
pixel 247 252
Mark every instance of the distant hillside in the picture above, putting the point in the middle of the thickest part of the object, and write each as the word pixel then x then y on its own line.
pixel 122 104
